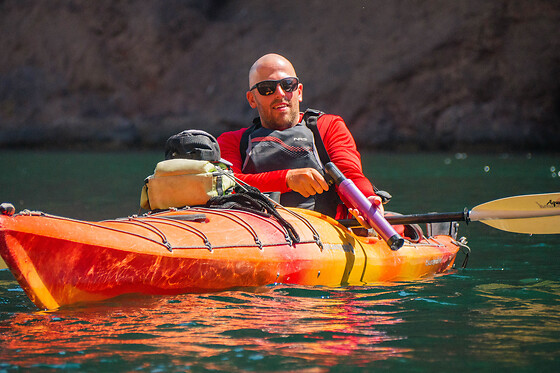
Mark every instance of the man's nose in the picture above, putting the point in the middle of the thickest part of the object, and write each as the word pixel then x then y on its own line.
pixel 279 91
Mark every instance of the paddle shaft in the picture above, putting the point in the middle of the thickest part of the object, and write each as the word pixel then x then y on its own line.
pixel 440 217
pixel 434 217
pixel 530 214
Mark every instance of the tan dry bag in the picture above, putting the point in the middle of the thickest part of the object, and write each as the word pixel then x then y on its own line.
pixel 185 182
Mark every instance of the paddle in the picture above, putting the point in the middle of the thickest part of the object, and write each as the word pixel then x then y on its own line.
pixel 530 214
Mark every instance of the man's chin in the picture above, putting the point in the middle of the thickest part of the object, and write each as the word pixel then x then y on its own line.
pixel 281 125
pixel 283 122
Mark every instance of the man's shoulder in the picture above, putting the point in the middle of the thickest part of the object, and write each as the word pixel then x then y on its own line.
pixel 321 115
pixel 231 135
pixel 327 119
pixel 331 126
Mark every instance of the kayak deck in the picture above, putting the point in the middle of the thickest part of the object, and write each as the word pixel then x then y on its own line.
pixel 60 261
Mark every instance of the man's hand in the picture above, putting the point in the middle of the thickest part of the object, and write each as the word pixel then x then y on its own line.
pixel 306 181
pixel 377 202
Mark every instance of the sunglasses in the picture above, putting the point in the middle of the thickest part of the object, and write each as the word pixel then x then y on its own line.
pixel 268 87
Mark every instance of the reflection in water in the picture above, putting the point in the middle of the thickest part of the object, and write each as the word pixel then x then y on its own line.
pixel 291 322
pixel 522 317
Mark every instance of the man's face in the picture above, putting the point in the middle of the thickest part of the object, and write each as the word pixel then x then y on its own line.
pixel 279 110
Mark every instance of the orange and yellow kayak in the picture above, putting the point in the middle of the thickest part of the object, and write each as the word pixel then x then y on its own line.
pixel 60 261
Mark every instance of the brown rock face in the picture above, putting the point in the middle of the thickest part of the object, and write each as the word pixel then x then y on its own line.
pixel 418 75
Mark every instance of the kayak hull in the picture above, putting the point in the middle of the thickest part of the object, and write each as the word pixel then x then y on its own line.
pixel 60 261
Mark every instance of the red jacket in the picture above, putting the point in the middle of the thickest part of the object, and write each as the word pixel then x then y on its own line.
pixel 338 141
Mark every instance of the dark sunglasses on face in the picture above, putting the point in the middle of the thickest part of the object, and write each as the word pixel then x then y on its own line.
pixel 268 87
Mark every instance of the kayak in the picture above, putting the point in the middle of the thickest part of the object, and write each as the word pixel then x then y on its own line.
pixel 60 261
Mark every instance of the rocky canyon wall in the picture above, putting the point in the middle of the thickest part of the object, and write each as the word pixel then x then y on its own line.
pixel 404 74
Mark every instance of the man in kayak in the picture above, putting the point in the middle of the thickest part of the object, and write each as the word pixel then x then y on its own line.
pixel 279 153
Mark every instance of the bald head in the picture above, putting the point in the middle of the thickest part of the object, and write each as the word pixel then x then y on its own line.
pixel 278 110
pixel 268 65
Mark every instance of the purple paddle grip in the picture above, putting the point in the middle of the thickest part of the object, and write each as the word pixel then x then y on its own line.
pixel 348 190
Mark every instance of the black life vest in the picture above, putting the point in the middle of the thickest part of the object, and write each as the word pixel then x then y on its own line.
pixel 301 146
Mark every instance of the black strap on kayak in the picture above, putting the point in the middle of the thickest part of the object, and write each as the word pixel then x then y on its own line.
pixel 252 200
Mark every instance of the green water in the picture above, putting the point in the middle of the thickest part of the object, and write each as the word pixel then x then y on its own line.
pixel 501 313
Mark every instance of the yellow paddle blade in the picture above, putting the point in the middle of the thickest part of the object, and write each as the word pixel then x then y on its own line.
pixel 531 214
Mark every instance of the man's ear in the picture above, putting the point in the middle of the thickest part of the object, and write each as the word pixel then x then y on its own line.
pixel 251 99
pixel 300 92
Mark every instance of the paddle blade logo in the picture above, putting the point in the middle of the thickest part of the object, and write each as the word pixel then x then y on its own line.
pixel 550 204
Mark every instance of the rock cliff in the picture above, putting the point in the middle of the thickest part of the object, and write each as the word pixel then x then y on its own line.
pixel 404 74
